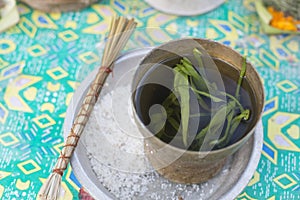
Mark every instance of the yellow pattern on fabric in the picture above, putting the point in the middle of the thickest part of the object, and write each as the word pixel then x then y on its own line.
pixel 158 35
pixel 99 28
pixel 245 196
pixel 7 46
pixel 4 113
pixel 294 132
pixel 69 98
pixel 293 46
pixel 286 86
pixel 4 174
pixel 275 99
pixel 275 125
pixel 30 93
pixel 27 27
pixel 73 84
pixel 55 15
pixel 69 170
pixel 278 180
pixel 273 160
pixel 1 190
pixel 230 33
pixel 70 24
pixel 238 21
pixel 172 28
pixel 42 20
pixel 22 185
pixel 211 33
pixel 52 87
pixel 88 57
pixel 58 147
pixel 3 63
pixel 68 36
pixel 8 139
pixel 12 97
pixel 44 121
pixel 57 73
pixel 17 68
pixel 36 50
pixel 278 48
pixel 159 20
pixel 23 9
pixel 255 179
pixel 47 107
pixel 104 11
pixel 33 166
pixel 92 18
pixel 268 59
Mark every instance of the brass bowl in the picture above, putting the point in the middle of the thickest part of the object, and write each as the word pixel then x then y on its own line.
pixel 185 166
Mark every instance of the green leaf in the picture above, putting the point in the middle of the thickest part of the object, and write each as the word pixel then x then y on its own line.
pixel 228 132
pixel 216 122
pixel 174 123
pixel 196 78
pixel 201 115
pixel 197 55
pixel 236 122
pixel 171 99
pixel 189 67
pixel 234 99
pixel 187 79
pixel 215 99
pixel 242 75
pixel 181 87
pixel 229 117
pixel 182 69
pixel 201 102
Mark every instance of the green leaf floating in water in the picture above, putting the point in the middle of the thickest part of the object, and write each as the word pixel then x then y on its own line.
pixel 188 80
pixel 181 87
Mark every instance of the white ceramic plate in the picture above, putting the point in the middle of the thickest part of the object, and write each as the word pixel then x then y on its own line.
pixel 185 7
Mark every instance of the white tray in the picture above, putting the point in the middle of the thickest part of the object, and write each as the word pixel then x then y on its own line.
pixel 241 166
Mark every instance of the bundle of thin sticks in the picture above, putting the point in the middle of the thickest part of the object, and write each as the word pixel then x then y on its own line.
pixel 120 31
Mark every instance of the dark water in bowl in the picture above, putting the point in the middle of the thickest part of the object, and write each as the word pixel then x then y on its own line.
pixel 152 93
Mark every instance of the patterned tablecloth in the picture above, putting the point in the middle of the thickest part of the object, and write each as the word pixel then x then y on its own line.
pixel 44 58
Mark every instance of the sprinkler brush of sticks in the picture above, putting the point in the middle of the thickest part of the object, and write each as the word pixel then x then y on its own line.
pixel 120 32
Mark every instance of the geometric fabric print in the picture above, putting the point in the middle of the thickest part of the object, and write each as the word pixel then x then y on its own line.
pixel 285 181
pixel 88 57
pixel 287 86
pixel 29 167
pixel 12 70
pixel 3 114
pixel 8 139
pixel 44 121
pixel 42 20
pixel 27 27
pixel 36 50
pixel 271 105
pixel 57 73
pixel 68 36
pixel 270 152
pixel 12 97
pixel 6 46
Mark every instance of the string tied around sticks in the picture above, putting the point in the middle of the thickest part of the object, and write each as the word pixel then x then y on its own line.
pixel 105 69
pixel 120 31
